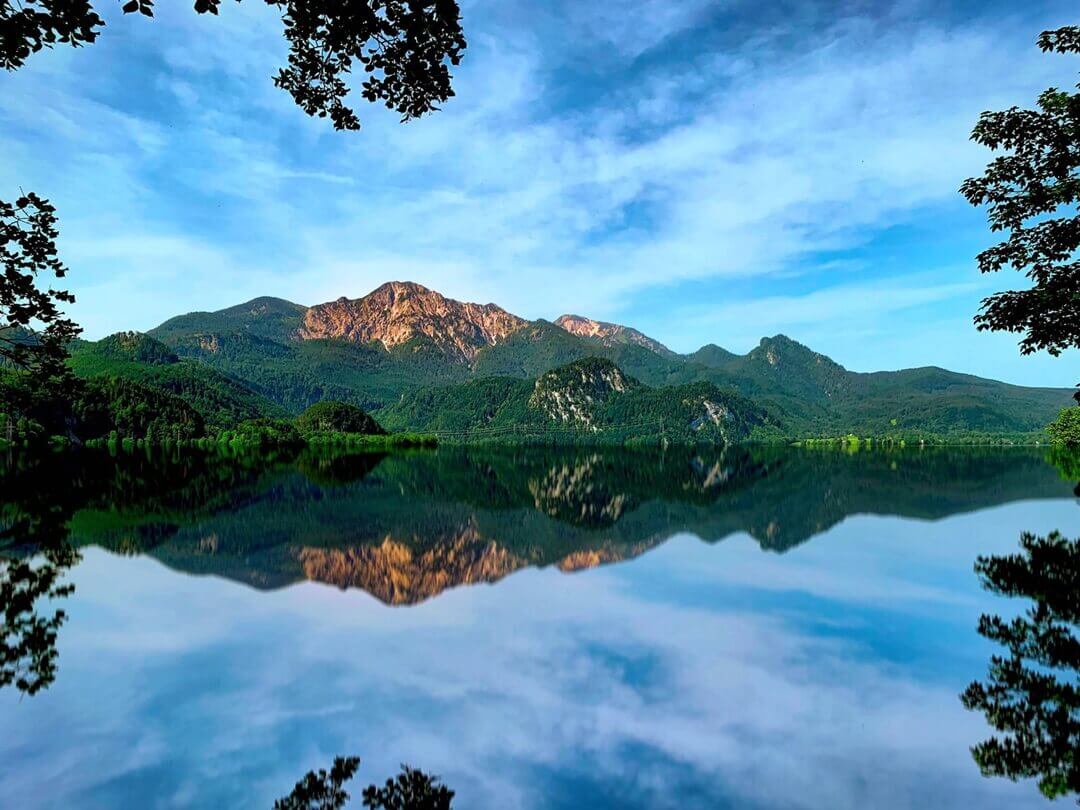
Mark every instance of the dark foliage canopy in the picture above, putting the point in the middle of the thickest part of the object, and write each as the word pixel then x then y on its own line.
pixel 321 790
pixel 28 252
pixel 402 47
pixel 1032 191
pixel 1032 695
pixel 412 789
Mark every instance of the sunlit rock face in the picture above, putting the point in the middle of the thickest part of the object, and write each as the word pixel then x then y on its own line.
pixel 610 334
pixel 399 312
pixel 397 575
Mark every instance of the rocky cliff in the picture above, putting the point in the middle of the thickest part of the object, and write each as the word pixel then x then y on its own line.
pixel 398 312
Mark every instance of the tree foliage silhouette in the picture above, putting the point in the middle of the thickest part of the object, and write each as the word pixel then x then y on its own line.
pixel 1033 191
pixel 402 46
pixel 1032 694
pixel 321 790
pixel 27 256
pixel 412 789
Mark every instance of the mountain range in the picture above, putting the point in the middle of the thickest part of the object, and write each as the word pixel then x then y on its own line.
pixel 421 361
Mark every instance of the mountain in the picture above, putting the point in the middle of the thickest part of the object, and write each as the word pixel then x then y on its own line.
pixel 398 313
pixel 610 334
pixel 402 348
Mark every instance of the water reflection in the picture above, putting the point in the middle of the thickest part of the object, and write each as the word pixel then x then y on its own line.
pixel 407 527
pixel 695 677
pixel 321 790
pixel 1032 694
pixel 35 554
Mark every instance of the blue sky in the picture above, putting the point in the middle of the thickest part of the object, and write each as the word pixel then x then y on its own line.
pixel 704 171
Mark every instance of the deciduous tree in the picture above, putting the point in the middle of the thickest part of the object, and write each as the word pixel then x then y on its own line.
pixel 33 330
pixel 1032 190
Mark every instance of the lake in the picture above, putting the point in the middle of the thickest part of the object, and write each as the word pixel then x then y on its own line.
pixel 750 628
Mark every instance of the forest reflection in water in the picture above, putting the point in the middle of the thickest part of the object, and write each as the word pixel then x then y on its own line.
pixel 405 528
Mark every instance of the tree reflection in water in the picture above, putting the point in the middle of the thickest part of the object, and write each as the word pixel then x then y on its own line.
pixel 28 637
pixel 34 556
pixel 1032 693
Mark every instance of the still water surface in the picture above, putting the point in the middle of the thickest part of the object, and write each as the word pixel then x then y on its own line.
pixel 749 628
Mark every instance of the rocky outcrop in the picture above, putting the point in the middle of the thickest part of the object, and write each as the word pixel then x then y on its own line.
pixel 571 394
pixel 611 334
pixel 398 312
pixel 713 414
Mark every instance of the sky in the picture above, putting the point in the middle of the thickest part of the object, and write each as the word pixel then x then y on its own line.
pixel 707 171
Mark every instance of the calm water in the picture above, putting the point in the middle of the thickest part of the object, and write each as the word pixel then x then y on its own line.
pixel 751 629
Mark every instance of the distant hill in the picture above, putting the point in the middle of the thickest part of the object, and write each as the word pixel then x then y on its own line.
pixel 387 350
pixel 221 400
pixel 269 318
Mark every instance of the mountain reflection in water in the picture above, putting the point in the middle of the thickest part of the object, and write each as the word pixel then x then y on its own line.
pixel 405 528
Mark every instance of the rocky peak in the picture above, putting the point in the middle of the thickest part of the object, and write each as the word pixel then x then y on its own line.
pixel 398 312
pixel 610 334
